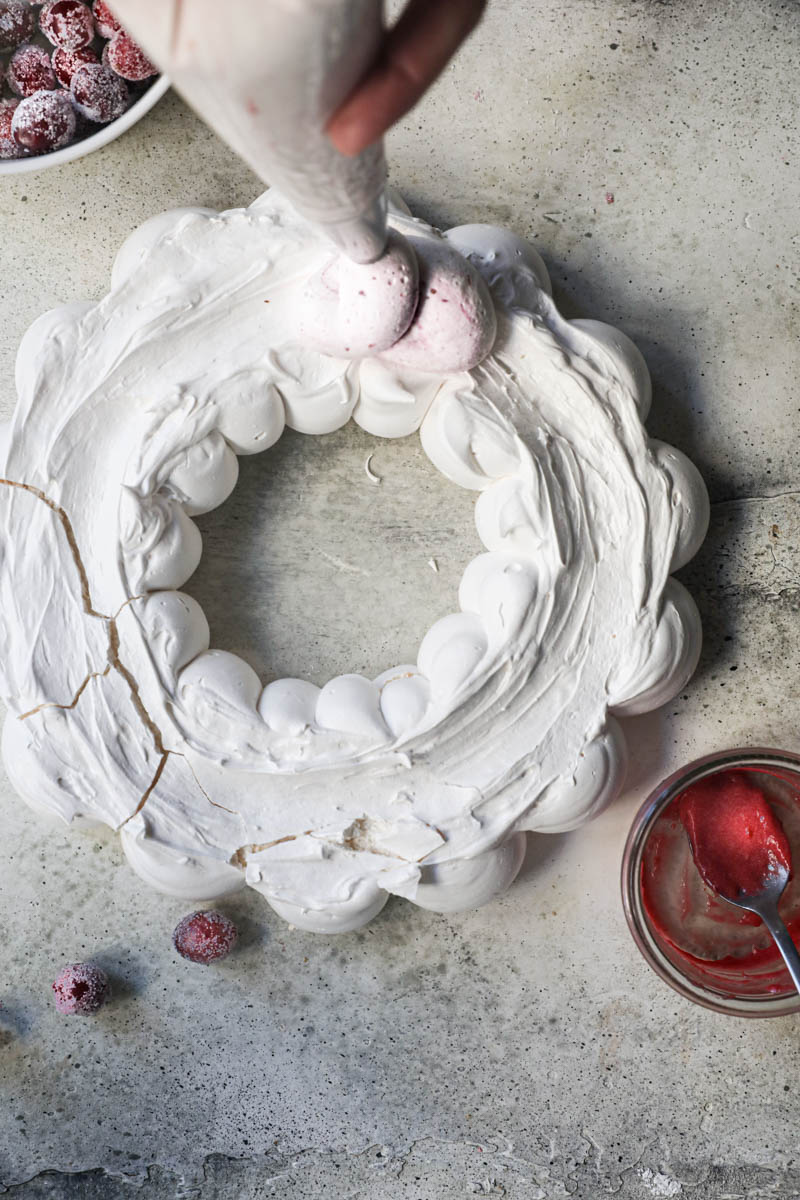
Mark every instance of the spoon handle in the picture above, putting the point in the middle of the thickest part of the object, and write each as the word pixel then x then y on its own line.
pixel 784 943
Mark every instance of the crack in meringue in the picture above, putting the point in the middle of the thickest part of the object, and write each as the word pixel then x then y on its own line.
pixel 239 856
pixel 119 666
pixel 216 804
pixel 71 540
pixel 114 662
pixel 148 791
pixel 66 707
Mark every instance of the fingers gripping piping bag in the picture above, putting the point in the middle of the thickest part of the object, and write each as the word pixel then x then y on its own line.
pixel 267 77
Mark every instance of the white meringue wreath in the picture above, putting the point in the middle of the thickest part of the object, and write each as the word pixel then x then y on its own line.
pixel 422 782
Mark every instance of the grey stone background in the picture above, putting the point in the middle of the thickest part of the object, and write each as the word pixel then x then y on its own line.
pixel 523 1050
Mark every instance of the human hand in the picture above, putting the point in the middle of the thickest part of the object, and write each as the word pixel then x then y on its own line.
pixel 413 54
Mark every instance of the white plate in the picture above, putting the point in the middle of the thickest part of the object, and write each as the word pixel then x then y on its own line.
pixel 38 162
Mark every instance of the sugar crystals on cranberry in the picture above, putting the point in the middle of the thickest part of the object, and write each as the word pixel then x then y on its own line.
pixel 204 936
pixel 80 989
pixel 99 94
pixel 67 23
pixel 30 71
pixel 105 21
pixel 66 62
pixel 8 147
pixel 128 60
pixel 17 23
pixel 43 122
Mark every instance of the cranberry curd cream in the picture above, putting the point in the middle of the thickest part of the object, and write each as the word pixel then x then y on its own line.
pixel 737 841
pixel 727 834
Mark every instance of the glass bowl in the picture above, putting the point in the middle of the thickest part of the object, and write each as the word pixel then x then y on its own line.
pixel 778 771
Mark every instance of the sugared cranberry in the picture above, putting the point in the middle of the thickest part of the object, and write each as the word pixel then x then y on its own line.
pixel 105 21
pixel 8 147
pixel 203 937
pixel 67 23
pixel 99 94
pixel 80 988
pixel 43 122
pixel 66 62
pixel 30 71
pixel 127 59
pixel 17 23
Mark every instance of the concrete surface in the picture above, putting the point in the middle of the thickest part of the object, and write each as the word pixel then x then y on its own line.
pixel 524 1050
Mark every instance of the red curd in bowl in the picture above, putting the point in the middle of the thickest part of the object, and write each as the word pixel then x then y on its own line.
pixel 738 843
pixel 742 808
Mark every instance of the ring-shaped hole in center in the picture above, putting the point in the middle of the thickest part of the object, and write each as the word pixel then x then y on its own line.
pixel 311 569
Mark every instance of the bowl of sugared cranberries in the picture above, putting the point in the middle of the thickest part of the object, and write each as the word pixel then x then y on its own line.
pixel 71 80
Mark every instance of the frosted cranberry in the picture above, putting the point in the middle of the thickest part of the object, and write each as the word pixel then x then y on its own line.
pixel 80 988
pixel 43 122
pixel 8 147
pixel 105 21
pixel 67 23
pixel 203 937
pixel 66 62
pixel 99 94
pixel 30 71
pixel 17 23
pixel 127 59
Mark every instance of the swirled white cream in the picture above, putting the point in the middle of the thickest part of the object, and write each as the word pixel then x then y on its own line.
pixel 421 782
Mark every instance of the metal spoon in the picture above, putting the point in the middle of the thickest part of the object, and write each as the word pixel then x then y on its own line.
pixel 764 904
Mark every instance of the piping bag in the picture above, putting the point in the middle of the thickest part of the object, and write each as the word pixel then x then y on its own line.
pixel 266 75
